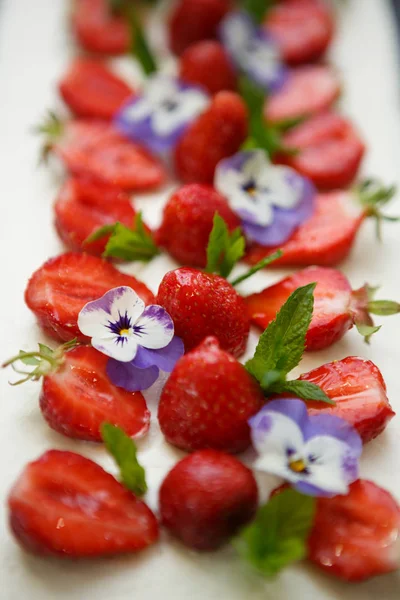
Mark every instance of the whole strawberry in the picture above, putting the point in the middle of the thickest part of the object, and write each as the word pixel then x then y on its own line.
pixel 188 221
pixel 97 29
pixel 207 401
pixel 216 134
pixel 194 67
pixel 206 498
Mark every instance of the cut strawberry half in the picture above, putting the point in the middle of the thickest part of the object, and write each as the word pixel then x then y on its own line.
pixel 66 505
pixel 97 29
pixel 83 205
pixel 356 537
pixel 308 90
pixel 63 285
pixel 91 90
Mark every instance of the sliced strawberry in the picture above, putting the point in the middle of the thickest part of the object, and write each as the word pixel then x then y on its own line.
pixel 90 89
pixel 78 397
pixel 97 29
pixel 303 29
pixel 328 150
pixel 356 537
pixel 194 67
pixel 325 239
pixel 308 90
pixel 83 205
pixel 358 388
pixel 67 505
pixel 60 288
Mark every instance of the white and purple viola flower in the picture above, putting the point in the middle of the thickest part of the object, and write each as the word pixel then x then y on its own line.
pixel 317 454
pixel 253 51
pixel 271 200
pixel 139 339
pixel 158 117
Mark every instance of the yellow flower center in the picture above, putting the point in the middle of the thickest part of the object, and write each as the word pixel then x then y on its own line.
pixel 124 332
pixel 298 466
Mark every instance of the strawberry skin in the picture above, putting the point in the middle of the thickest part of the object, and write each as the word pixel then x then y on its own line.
pixel 96 148
pixel 60 288
pixel 325 239
pixel 97 30
pixel 91 90
pixel 308 90
pixel 188 221
pixel 358 388
pixel 194 67
pixel 206 498
pixel 216 134
pixel 356 537
pixel 78 397
pixel 332 297
pixel 195 20
pixel 207 401
pixel 329 150
pixel 66 505
pixel 83 205
pixel 202 304
pixel 303 29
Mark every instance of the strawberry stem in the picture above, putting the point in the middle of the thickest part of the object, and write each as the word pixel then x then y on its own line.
pixel 373 195
pixel 363 305
pixel 52 127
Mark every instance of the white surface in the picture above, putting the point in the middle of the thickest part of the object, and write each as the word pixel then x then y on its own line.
pixel 33 52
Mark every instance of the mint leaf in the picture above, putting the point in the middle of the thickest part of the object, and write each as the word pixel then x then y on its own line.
pixel 224 249
pixel 264 262
pixel 278 535
pixel 123 450
pixel 257 8
pixel 302 389
pixel 282 344
pixel 140 47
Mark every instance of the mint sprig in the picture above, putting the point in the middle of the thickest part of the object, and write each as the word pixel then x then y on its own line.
pixel 278 535
pixel 281 346
pixel 123 450
pixel 258 8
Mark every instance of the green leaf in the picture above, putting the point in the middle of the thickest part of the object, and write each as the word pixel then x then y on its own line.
pixel 367 331
pixel 257 8
pixel 100 233
pixel 384 308
pixel 278 535
pixel 224 249
pixel 302 389
pixel 140 46
pixel 257 267
pixel 123 450
pixel 282 344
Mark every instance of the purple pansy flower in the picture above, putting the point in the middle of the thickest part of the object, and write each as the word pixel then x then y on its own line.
pixel 271 200
pixel 139 339
pixel 317 454
pixel 252 50
pixel 158 117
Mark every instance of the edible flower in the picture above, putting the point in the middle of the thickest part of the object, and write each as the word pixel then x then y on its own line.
pixel 139 339
pixel 317 454
pixel 158 117
pixel 271 200
pixel 252 51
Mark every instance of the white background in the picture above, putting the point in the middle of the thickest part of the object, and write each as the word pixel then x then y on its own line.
pixel 34 49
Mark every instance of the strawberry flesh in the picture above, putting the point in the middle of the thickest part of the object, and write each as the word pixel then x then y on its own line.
pixel 97 30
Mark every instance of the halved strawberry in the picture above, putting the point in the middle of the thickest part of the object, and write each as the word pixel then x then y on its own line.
pixel 83 205
pixel 97 29
pixel 67 505
pixel 95 148
pixel 91 90
pixel 328 149
pixel 303 29
pixel 356 537
pixel 60 288
pixel 308 90
pixel 358 388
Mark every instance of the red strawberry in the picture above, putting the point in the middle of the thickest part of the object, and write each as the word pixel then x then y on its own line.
pixel 208 400
pixel 329 150
pixel 83 205
pixel 63 285
pixel 356 537
pixel 67 505
pixel 203 304
pixel 217 133
pixel 96 148
pixel 207 64
pixel 77 397
pixel 358 388
pixel 195 20
pixel 308 90
pixel 91 90
pixel 206 498
pixel 97 29
pixel 303 29
pixel 188 221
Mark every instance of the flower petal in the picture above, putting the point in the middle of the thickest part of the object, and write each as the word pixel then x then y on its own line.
pixel 126 301
pixel 114 347
pixel 129 377
pixel 155 328
pixel 190 103
pixel 164 358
